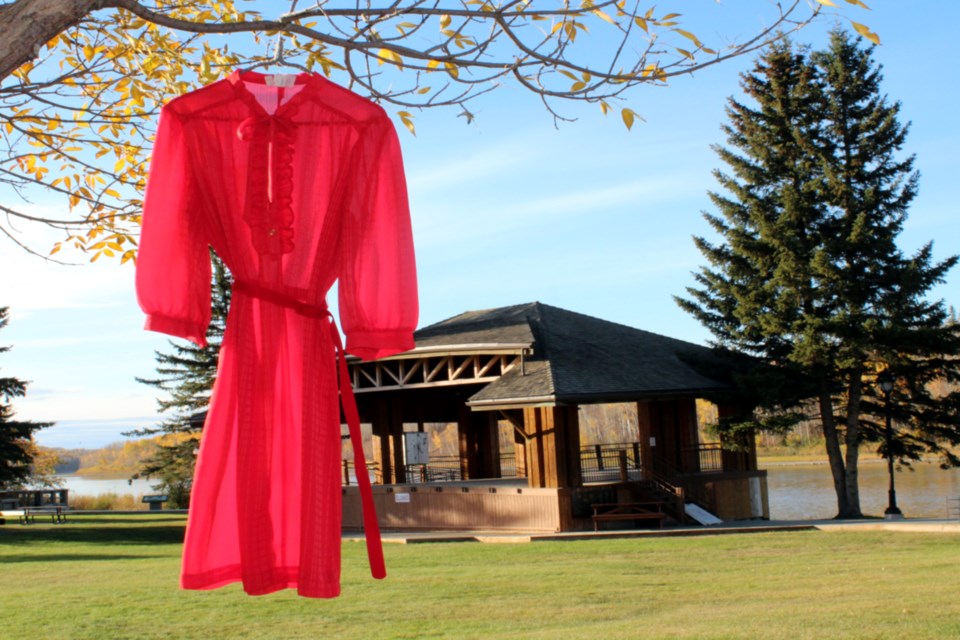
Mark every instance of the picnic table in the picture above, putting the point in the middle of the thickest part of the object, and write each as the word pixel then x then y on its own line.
pixel 628 511
pixel 28 515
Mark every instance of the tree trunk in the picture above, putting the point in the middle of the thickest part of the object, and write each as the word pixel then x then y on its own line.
pixel 27 25
pixel 853 446
pixel 835 455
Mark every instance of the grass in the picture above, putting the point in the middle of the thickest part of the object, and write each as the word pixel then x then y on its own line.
pixel 115 577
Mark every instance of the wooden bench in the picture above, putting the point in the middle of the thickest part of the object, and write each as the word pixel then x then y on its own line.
pixel 628 511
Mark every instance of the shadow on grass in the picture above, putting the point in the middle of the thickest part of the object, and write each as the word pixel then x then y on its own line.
pixel 72 557
pixel 92 533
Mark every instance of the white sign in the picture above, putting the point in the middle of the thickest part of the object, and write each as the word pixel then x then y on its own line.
pixel 402 498
pixel 415 448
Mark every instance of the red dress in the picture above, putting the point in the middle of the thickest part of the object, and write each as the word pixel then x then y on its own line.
pixel 296 183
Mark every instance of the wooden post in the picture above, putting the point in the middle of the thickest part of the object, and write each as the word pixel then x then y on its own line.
pixel 488 442
pixel 624 476
pixel 597 449
pixel 553 446
pixel 396 441
pixel 689 440
pixel 741 460
pixel 644 433
pixel 381 441
pixel 515 418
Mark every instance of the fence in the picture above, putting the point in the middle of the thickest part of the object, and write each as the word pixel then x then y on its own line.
pixel 438 469
pixel 610 462
pixel 703 457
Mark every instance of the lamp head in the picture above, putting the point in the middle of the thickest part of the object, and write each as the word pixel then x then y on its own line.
pixel 886 381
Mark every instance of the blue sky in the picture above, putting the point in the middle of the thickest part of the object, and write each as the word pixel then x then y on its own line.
pixel 507 210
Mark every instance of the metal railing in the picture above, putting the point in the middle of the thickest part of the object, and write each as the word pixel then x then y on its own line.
pixel 438 469
pixel 703 457
pixel 610 462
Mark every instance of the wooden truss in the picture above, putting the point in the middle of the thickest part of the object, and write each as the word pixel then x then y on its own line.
pixel 434 370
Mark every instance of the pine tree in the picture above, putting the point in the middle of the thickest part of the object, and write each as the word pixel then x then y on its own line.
pixel 809 275
pixel 185 375
pixel 17 448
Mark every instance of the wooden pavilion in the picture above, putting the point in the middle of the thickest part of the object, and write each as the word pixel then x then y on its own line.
pixel 523 372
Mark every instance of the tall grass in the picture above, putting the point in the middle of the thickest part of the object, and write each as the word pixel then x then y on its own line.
pixel 109 502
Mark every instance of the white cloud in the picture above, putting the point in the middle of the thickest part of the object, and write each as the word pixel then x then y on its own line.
pixel 470 167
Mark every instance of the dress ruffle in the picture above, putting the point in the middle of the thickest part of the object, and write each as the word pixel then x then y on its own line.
pixel 269 203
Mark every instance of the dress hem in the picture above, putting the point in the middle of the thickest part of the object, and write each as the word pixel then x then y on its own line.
pixel 286 579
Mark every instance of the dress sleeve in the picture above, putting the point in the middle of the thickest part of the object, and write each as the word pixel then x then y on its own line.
pixel 378 279
pixel 173 263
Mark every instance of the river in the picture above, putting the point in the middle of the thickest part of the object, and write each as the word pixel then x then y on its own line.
pixel 797 491
pixel 82 486
pixel 805 491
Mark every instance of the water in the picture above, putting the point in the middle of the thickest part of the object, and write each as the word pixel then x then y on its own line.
pixel 81 486
pixel 805 491
pixel 796 491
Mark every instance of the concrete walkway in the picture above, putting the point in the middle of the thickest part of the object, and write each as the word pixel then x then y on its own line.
pixel 748 526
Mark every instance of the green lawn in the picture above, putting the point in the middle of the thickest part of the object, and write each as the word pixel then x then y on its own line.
pixel 113 578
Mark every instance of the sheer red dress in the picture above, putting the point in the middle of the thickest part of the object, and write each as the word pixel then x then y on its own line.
pixel 296 183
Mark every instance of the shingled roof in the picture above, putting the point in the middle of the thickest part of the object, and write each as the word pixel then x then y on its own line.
pixel 575 357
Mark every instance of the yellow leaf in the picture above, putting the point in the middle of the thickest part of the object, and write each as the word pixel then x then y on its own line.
pixel 578 86
pixel 641 23
pixel 864 30
pixel 603 16
pixel 452 70
pixel 689 36
pixel 423 90
pixel 858 3
pixel 433 64
pixel 628 116
pixel 604 107
pixel 407 120
pixel 827 3
pixel 444 21
pixel 88 52
pixel 389 56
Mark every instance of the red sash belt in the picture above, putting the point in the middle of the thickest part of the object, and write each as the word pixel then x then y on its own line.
pixel 348 402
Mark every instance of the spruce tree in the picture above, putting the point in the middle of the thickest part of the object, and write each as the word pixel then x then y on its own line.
pixel 16 436
pixel 185 376
pixel 809 275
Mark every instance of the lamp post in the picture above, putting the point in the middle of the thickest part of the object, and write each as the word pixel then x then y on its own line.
pixel 886 381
